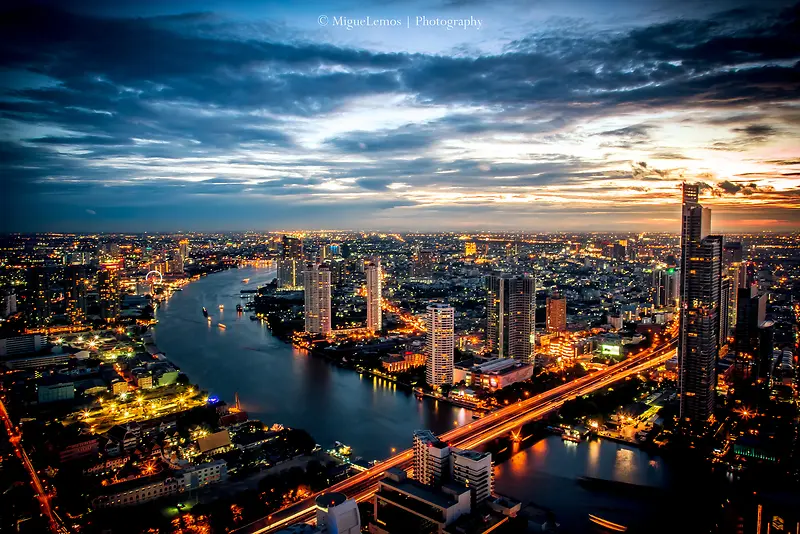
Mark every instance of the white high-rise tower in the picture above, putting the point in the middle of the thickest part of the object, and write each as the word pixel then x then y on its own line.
pixel 317 287
pixel 373 272
pixel 440 344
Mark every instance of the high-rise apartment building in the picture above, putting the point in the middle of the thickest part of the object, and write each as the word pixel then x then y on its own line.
pixel 38 295
pixel 423 263
pixel 108 289
pixel 733 263
pixel 75 286
pixel 556 313
pixel 374 300
pixel 183 249
pixel 290 264
pixel 317 288
pixel 666 287
pixel 431 458
pixel 701 278
pixel 440 344
pixel 510 315
pixel 473 470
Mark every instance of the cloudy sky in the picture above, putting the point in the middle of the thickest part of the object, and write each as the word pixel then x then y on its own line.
pixel 577 115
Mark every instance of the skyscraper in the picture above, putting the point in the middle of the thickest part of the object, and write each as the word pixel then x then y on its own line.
pixel 701 276
pixel 290 263
pixel 732 260
pixel 470 248
pixel 75 284
pixel 374 300
pixel 317 287
pixel 556 313
pixel 423 264
pixel 108 289
pixel 431 458
pixel 183 249
pixel 750 316
pixel 440 344
pixel 510 315
pixel 38 295
pixel 666 286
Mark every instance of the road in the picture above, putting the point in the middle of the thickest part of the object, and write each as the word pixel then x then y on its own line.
pixel 494 425
pixel 44 499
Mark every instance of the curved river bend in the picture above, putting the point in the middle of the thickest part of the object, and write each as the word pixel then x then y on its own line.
pixel 278 384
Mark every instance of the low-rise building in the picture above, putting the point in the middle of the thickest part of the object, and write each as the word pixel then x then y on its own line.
pixel 496 373
pixel 55 392
pixel 402 505
pixel 80 448
pixel 142 490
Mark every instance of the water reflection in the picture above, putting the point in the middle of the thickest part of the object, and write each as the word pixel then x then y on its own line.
pixel 277 383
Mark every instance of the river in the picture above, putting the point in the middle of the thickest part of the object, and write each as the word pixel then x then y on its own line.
pixel 663 500
pixel 279 384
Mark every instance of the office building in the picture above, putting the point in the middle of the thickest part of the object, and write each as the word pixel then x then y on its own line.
pixel 38 295
pixel 108 289
pixel 701 277
pixel 473 470
pixel 751 314
pixel 290 263
pixel 733 263
pixel 336 514
pixel 75 286
pixel 374 299
pixel 22 345
pixel 440 344
pixel 510 316
pixel 317 287
pixel 470 248
pixel 556 313
pixel 8 304
pixel 431 458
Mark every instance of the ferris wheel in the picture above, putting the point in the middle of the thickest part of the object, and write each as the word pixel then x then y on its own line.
pixel 151 277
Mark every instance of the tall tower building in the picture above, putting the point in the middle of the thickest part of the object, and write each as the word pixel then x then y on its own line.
pixel 374 299
pixel 666 286
pixel 750 316
pixel 317 287
pixel 556 313
pixel 510 315
pixel 75 284
pixel 701 278
pixel 440 344
pixel 290 263
pixel 108 289
pixel 423 263
pixel 38 295
pixel 183 250
pixel 732 260
pixel 431 458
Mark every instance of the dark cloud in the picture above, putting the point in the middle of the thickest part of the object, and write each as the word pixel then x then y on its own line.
pixel 126 102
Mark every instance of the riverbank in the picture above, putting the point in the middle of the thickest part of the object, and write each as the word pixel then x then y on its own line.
pixel 275 382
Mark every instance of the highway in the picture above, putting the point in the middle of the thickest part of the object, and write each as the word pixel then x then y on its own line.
pixel 41 495
pixel 492 426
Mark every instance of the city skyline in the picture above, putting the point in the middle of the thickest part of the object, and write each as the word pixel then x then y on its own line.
pixel 240 115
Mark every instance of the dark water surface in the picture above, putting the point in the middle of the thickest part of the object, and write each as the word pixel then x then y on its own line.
pixel 279 384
